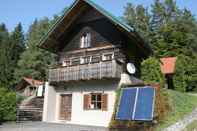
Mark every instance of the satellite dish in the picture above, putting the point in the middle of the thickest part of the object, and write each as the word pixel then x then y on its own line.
pixel 131 68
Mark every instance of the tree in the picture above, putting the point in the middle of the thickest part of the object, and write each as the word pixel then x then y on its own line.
pixel 17 42
pixel 171 10
pixel 5 59
pixel 16 48
pixel 34 62
pixel 139 18
pixel 130 14
pixel 158 12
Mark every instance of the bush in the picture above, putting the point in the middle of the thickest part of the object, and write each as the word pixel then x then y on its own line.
pixel 151 73
pixel 7 105
pixel 185 78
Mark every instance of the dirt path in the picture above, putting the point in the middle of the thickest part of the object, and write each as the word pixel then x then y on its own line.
pixel 181 125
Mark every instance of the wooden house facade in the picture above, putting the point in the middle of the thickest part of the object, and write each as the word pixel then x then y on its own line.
pixel 93 48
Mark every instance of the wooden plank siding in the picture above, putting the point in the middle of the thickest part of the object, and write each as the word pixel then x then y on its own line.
pixel 104 69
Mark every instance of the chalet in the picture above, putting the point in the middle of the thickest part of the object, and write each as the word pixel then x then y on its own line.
pixel 28 87
pixel 30 108
pixel 93 48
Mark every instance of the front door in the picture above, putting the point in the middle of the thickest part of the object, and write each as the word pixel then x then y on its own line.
pixel 66 107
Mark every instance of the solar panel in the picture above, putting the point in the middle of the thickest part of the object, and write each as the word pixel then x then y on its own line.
pixel 144 104
pixel 136 104
pixel 126 105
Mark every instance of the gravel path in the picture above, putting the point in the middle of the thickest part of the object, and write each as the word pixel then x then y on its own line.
pixel 40 126
pixel 181 125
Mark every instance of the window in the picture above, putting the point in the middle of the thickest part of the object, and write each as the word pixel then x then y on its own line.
pixel 95 101
pixel 96 59
pixel 85 41
pixel 85 60
pixel 75 61
pixel 66 63
pixel 107 57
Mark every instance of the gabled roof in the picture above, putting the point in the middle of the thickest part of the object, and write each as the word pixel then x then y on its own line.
pixel 168 65
pixel 33 82
pixel 28 81
pixel 49 41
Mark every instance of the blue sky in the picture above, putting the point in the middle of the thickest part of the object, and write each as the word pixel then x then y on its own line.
pixel 25 11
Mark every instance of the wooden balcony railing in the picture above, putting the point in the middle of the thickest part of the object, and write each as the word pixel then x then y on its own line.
pixel 107 69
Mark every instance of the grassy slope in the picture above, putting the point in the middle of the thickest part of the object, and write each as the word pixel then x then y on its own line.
pixel 192 126
pixel 181 104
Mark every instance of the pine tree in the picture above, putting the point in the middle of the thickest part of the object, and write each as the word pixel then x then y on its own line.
pixel 5 59
pixel 35 62
pixel 171 10
pixel 16 48
pixel 17 42
pixel 158 13
pixel 143 21
pixel 139 18
pixel 130 15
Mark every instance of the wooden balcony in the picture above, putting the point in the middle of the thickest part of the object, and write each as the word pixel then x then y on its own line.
pixel 106 69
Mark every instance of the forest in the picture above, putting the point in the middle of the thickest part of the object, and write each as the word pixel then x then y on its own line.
pixel 169 30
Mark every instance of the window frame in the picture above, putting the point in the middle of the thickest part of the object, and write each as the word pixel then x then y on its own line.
pixel 104 56
pixel 85 40
pixel 85 60
pixel 96 101
pixel 65 63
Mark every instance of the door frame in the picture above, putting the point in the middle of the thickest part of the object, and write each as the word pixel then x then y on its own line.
pixel 59 106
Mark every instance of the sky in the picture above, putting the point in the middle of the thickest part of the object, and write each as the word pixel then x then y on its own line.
pixel 26 11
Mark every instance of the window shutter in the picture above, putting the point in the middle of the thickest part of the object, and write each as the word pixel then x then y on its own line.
pixel 82 42
pixel 104 102
pixel 86 102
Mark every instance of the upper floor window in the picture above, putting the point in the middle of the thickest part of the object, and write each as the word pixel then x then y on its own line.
pixel 107 56
pixel 66 63
pixel 85 41
pixel 75 61
pixel 85 60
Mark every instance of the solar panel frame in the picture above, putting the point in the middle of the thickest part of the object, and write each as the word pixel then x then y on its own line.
pixel 120 102
pixel 152 107
pixel 132 117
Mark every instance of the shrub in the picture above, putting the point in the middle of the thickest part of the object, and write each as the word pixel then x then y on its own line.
pixel 7 105
pixel 185 78
pixel 151 73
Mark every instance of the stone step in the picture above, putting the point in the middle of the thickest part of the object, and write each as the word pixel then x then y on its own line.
pixel 31 111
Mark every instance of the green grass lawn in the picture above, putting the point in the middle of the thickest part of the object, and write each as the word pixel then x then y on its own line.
pixel 192 126
pixel 181 104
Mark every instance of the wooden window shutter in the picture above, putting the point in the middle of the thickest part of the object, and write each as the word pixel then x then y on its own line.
pixel 86 101
pixel 104 102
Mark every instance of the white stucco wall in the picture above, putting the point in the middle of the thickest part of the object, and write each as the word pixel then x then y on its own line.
pixel 49 104
pixel 79 115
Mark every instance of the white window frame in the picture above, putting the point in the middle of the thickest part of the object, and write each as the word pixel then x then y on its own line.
pixel 104 56
pixel 82 60
pixel 85 40
pixel 65 63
